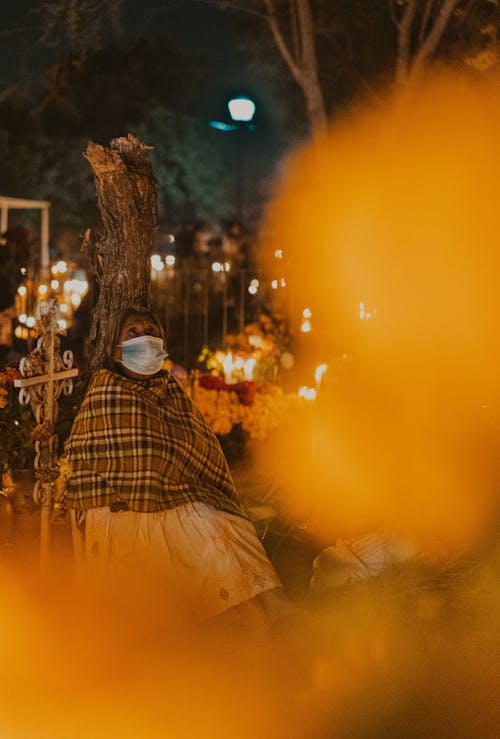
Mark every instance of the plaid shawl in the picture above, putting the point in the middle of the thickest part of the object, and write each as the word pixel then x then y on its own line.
pixel 146 443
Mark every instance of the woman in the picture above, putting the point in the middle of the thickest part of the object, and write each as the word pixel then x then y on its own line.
pixel 150 479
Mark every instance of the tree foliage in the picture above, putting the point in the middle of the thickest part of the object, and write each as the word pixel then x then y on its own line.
pixel 337 51
pixel 194 175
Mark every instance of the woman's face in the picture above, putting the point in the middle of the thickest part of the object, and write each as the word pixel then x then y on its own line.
pixel 135 325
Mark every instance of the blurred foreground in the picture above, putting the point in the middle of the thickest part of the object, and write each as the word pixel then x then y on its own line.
pixel 404 437
pixel 413 652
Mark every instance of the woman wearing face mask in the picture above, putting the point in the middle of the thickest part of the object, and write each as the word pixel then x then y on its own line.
pixel 153 498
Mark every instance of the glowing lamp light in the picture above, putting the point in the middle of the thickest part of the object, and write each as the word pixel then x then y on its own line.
pixel 59 268
pixel 63 308
pixel 30 321
pixel 227 266
pixel 283 282
pixel 54 284
pixel 76 299
pixel 274 284
pixel 22 289
pixel 217 267
pixel 254 287
pixel 43 289
pixel 22 318
pixel 170 260
pixel 306 313
pixel 157 263
pixel 62 323
pixel 241 109
pixel 306 327
pixel 18 331
pixel 278 254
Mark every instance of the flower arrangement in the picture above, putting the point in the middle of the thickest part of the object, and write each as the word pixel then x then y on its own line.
pixel 239 389
pixel 258 407
pixel 261 352
pixel 16 425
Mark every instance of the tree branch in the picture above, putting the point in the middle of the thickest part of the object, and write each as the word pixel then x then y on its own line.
pixel 404 35
pixel 425 20
pixel 279 39
pixel 434 36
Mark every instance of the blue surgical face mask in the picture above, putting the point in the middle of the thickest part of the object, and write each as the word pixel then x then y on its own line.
pixel 144 354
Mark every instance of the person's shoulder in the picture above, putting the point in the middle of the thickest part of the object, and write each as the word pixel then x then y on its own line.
pixel 105 378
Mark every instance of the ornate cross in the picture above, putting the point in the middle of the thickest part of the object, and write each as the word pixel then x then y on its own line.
pixel 45 375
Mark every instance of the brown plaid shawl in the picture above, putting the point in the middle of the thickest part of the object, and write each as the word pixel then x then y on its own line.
pixel 146 443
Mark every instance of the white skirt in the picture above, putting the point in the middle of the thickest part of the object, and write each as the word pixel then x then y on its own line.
pixel 193 556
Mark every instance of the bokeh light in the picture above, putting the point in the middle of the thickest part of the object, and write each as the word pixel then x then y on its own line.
pixel 399 207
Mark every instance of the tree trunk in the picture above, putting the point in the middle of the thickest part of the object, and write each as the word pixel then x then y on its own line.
pixel 121 255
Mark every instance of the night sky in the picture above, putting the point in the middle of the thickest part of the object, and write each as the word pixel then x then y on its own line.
pixel 199 29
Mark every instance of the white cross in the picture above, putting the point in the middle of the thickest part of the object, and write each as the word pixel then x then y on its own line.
pixel 41 386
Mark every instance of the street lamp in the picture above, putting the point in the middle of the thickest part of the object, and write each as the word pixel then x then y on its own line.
pixel 241 109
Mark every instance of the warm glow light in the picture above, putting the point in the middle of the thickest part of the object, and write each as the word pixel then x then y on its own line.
pixel 22 318
pixel 308 393
pixel 414 236
pixel 278 254
pixel 22 290
pixel 170 260
pixel 306 313
pixel 252 289
pixel 157 263
pixel 227 366
pixel 63 307
pixel 76 299
pixel 255 340
pixel 54 284
pixel 217 267
pixel 306 327
pixel 62 323
pixel 274 284
pixel 249 368
pixel 319 372
pixel 59 268
pixel 30 321
pixel 43 289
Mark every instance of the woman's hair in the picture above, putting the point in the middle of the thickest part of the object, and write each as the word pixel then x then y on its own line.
pixel 114 328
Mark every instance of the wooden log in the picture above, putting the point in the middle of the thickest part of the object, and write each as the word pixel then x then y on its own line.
pixel 121 255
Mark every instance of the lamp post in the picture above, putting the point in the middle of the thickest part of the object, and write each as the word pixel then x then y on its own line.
pixel 242 110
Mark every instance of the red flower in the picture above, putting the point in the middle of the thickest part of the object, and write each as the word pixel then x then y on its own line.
pixel 212 382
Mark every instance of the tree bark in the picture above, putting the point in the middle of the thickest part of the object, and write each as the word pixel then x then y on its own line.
pixel 121 255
